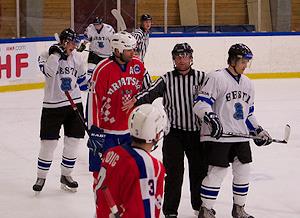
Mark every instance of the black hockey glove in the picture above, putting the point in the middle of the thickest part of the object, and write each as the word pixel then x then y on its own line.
pixel 216 127
pixel 96 140
pixel 59 50
pixel 266 139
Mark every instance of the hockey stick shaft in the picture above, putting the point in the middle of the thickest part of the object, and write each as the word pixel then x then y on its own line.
pixel 110 202
pixel 287 132
pixel 240 135
pixel 74 107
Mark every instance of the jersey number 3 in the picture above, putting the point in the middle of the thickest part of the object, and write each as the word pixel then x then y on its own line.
pixel 151 187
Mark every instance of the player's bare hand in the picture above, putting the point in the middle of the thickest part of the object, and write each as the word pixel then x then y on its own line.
pixel 128 105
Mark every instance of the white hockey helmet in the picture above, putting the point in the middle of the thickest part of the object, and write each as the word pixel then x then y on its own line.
pixel 147 122
pixel 122 41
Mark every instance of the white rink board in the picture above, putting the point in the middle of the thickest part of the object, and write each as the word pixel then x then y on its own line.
pixel 272 54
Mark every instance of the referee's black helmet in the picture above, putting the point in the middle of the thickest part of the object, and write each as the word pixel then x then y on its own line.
pixel 182 48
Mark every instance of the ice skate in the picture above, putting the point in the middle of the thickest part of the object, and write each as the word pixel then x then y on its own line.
pixel 68 184
pixel 206 213
pixel 239 212
pixel 38 186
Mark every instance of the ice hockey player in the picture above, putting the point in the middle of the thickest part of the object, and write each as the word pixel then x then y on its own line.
pixel 98 35
pixel 115 80
pixel 64 70
pixel 132 175
pixel 226 104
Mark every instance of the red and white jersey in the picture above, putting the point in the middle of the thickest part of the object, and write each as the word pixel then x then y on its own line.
pixel 135 181
pixel 111 87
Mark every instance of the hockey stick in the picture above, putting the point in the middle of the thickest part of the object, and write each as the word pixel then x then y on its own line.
pixel 74 107
pixel 119 18
pixel 110 202
pixel 287 132
pixel 56 36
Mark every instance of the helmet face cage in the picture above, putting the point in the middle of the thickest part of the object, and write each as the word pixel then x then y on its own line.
pixel 182 49
pixel 122 41
pixel 69 35
pixel 239 51
pixel 98 20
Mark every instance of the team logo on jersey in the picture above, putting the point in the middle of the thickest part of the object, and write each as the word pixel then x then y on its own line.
pixel 136 69
pixel 101 44
pixel 66 84
pixel 239 114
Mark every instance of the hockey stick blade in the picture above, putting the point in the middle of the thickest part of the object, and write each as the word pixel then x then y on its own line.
pixel 119 19
pixel 56 36
pixel 287 132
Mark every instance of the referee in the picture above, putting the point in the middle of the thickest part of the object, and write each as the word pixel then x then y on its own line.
pixel 142 36
pixel 179 88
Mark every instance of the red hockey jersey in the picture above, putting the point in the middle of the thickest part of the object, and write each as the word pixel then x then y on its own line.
pixel 135 181
pixel 111 87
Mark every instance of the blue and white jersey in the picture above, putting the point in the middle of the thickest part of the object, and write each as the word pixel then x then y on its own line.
pixel 59 72
pixel 232 99
pixel 99 40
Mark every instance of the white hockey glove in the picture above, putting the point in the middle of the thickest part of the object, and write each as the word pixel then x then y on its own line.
pixel 216 128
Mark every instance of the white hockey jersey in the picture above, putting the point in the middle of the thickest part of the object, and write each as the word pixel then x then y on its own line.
pixel 99 42
pixel 56 70
pixel 232 99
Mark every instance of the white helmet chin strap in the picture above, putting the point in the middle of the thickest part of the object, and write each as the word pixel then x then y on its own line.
pixel 155 141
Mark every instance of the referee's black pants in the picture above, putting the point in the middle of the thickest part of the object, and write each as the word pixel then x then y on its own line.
pixel 175 145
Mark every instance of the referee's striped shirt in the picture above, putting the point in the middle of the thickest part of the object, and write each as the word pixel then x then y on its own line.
pixel 142 42
pixel 178 92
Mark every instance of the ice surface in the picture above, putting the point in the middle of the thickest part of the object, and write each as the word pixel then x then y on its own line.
pixel 275 178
